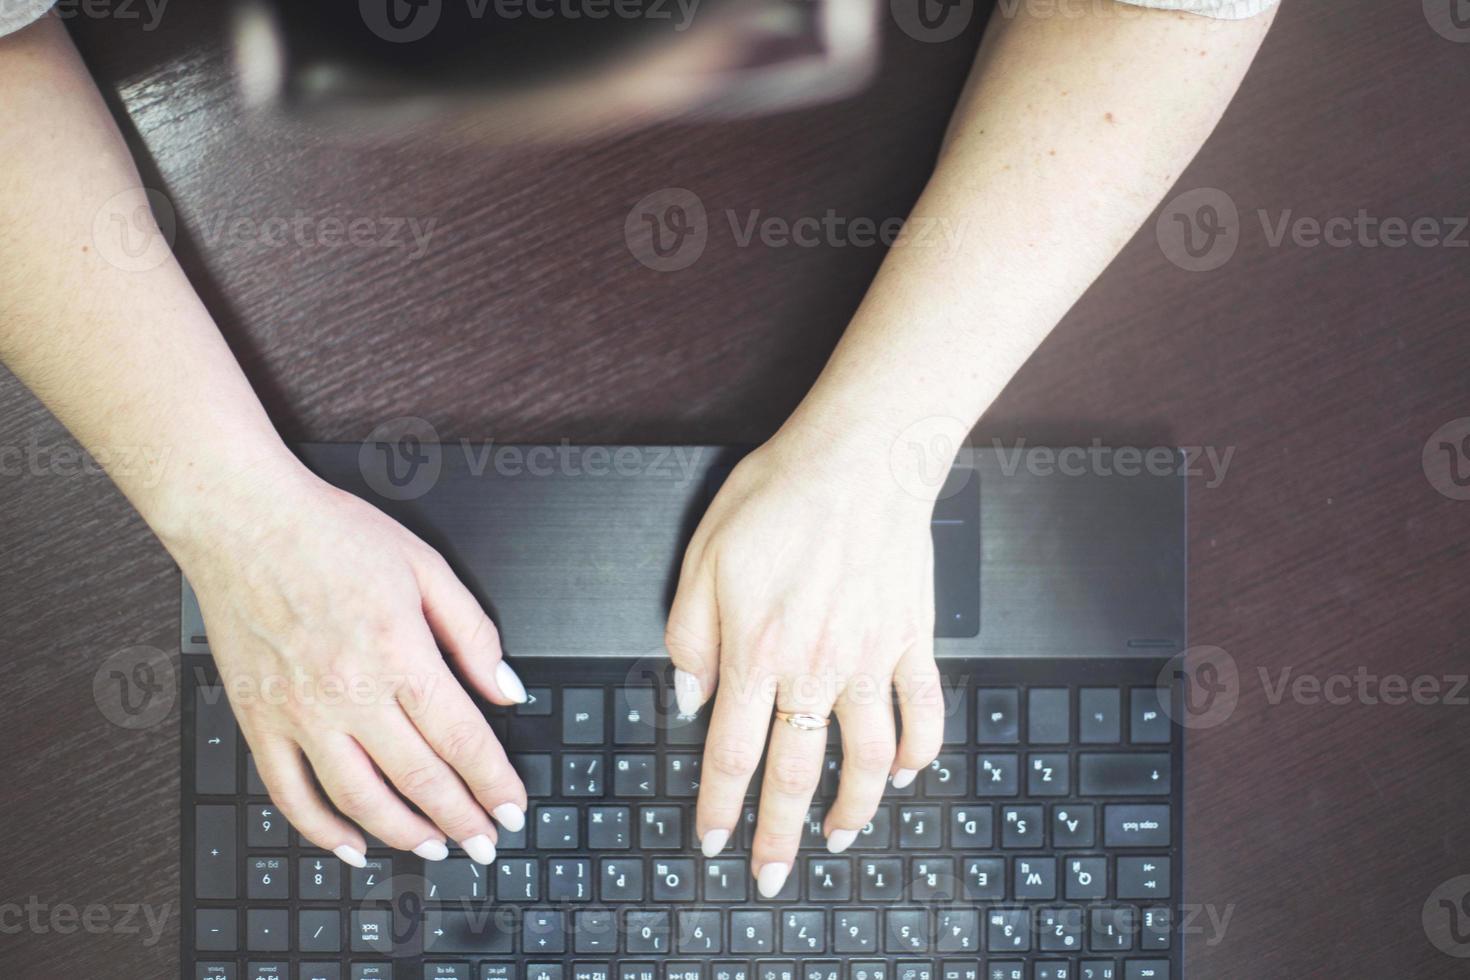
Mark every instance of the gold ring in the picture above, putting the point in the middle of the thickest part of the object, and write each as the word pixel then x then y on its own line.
pixel 802 721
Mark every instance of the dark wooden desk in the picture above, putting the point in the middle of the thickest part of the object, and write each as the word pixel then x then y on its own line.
pixel 1320 829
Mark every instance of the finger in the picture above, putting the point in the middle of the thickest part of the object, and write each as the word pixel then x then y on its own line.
pixel 921 704
pixel 418 772
pixel 793 770
pixel 693 638
pixel 459 733
pixel 294 793
pixel 866 721
pixel 464 630
pixel 359 793
pixel 732 752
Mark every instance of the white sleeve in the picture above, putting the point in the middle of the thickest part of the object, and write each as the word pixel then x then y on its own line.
pixel 1223 9
pixel 15 14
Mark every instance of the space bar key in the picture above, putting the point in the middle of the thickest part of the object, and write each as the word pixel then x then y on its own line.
pixel 1124 774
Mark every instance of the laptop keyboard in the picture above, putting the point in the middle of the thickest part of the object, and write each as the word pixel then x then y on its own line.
pixel 1042 844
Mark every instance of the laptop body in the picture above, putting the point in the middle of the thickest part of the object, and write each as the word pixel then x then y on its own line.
pixel 1043 844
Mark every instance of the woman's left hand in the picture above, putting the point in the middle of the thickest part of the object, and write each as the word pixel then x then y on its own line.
pixel 807 588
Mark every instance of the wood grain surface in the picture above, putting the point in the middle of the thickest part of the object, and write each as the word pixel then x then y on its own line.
pixel 1320 829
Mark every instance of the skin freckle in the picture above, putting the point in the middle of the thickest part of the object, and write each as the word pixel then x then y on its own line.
pixel 1109 117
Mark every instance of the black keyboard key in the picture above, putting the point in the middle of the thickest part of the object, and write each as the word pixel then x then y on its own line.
pixel 535 772
pixel 1136 826
pixel 569 880
pixel 581 775
pixel 985 879
pixel 877 833
pixel 1052 970
pixel 674 880
pixel 1110 930
pixel 725 880
pixel 267 877
pixel 319 931
pixel 724 971
pixel 934 880
pixel 582 716
pixel 996 774
pixel 498 971
pixel 1049 774
pixel 1035 878
pixel 215 743
pixel 634 775
pixel 254 785
pixel 829 879
pixel 970 826
pixel 660 827
pixel 1097 970
pixel 1124 774
pixel 319 879
pixel 267 930
pixel 1156 929
pixel 854 931
pixel 1099 715
pixel 647 931
pixel 880 879
pixel 1087 878
pixel 518 880
pixel 947 775
pixel 447 971
pixel 216 971
pixel 997 716
pixel 557 828
pixel 459 930
pixel 920 827
pixel 1021 826
pixel 804 931
pixel 957 931
pixel 215 857
pixel 700 932
pixel 635 714
pixel 216 930
pixel 1008 930
pixel 1143 877
pixel 371 880
pixel 1048 714
pixel 776 970
pixel 371 931
pixel 372 971
pixel 821 970
pixel 538 703
pixel 913 970
pixel 609 828
pixel 545 971
pixel 267 971
pixel 867 970
pixel 1073 825
pixel 621 880
pixel 1147 970
pixel 1148 723
pixel 543 931
pixel 265 827
pixel 456 880
pixel 595 931
pixel 956 716
pixel 681 776
pixel 752 931
pixel 1059 930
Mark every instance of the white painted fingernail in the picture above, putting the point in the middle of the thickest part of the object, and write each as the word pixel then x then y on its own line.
pixel 510 816
pixel 688 695
pixel 480 847
pixel 350 856
pixel 772 879
pixel 432 850
pixel 510 685
pixel 840 840
pixel 903 777
pixel 714 842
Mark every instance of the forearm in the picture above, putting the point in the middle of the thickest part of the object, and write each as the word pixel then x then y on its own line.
pixel 123 352
pixel 1068 134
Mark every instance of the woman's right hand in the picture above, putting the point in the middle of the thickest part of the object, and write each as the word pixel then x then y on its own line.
pixel 322 614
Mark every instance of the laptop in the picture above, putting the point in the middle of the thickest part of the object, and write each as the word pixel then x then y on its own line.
pixel 1044 843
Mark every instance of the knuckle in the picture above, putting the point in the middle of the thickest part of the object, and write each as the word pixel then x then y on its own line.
pixel 871 755
pixel 778 839
pixel 463 742
pixel 355 801
pixel 499 784
pixel 733 758
pixel 793 777
pixel 425 779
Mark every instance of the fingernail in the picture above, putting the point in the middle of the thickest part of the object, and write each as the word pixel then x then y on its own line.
pixel 840 840
pixel 714 842
pixel 432 850
pixel 510 816
pixel 771 879
pixel 510 685
pixel 903 777
pixel 350 856
pixel 688 695
pixel 480 847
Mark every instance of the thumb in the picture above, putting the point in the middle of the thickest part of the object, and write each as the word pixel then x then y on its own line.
pixel 693 640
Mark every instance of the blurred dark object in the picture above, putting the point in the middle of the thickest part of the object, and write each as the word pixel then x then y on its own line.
pixel 550 68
